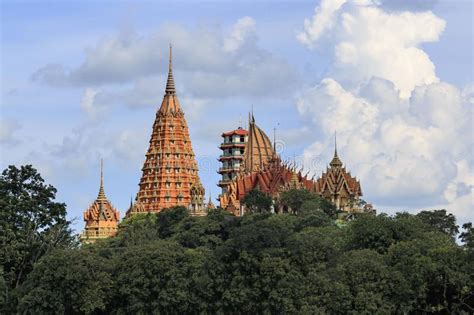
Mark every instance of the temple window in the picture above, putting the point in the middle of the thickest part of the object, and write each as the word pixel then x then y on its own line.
pixel 168 184
pixel 167 199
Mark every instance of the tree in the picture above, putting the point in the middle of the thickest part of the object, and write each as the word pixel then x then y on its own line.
pixel 369 281
pixel 67 282
pixel 318 204
pixel 257 201
pixel 440 220
pixel 138 229
pixel 437 273
pixel 296 198
pixel 467 236
pixel 160 277
pixel 168 220
pixel 31 224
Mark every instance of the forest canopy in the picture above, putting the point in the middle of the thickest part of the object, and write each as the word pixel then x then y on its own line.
pixel 259 263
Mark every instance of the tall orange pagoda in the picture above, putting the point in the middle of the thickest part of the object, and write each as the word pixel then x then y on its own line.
pixel 101 217
pixel 170 173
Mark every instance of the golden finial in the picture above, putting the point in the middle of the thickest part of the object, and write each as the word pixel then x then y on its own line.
pixel 101 195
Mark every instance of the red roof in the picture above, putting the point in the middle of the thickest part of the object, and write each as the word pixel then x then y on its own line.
pixel 239 132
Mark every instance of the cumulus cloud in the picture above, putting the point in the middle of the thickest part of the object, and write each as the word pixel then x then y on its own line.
pixel 209 62
pixel 406 134
pixel 241 31
pixel 402 158
pixel 367 42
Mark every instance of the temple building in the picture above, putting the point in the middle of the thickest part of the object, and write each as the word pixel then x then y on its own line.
pixel 101 217
pixel 170 173
pixel 210 205
pixel 338 186
pixel 264 170
pixel 233 147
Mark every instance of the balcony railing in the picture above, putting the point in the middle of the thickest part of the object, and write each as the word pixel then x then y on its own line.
pixel 229 168
pixel 236 154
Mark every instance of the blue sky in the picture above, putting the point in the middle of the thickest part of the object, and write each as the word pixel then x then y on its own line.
pixel 81 80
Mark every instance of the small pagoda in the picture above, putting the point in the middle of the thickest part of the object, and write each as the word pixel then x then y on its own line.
pixel 338 185
pixel 101 217
pixel 170 173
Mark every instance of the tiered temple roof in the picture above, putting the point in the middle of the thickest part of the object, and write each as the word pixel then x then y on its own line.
pixel 101 217
pixel 274 177
pixel 337 185
pixel 170 172
pixel 271 176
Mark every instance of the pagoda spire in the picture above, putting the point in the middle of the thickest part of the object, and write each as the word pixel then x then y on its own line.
pixel 170 173
pixel 101 195
pixel 170 87
pixel 101 217
pixel 336 162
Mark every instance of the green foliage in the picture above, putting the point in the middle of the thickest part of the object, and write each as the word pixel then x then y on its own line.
pixel 257 202
pixel 261 263
pixel 161 277
pixel 304 202
pixel 294 198
pixel 67 282
pixel 168 220
pixel 440 220
pixel 467 236
pixel 31 225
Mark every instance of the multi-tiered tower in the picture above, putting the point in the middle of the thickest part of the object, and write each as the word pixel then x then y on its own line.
pixel 170 173
pixel 338 185
pixel 101 217
pixel 233 148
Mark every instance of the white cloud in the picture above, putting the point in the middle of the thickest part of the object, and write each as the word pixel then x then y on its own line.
pixel 406 135
pixel 321 22
pixel 208 62
pixel 368 41
pixel 401 158
pixel 242 29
